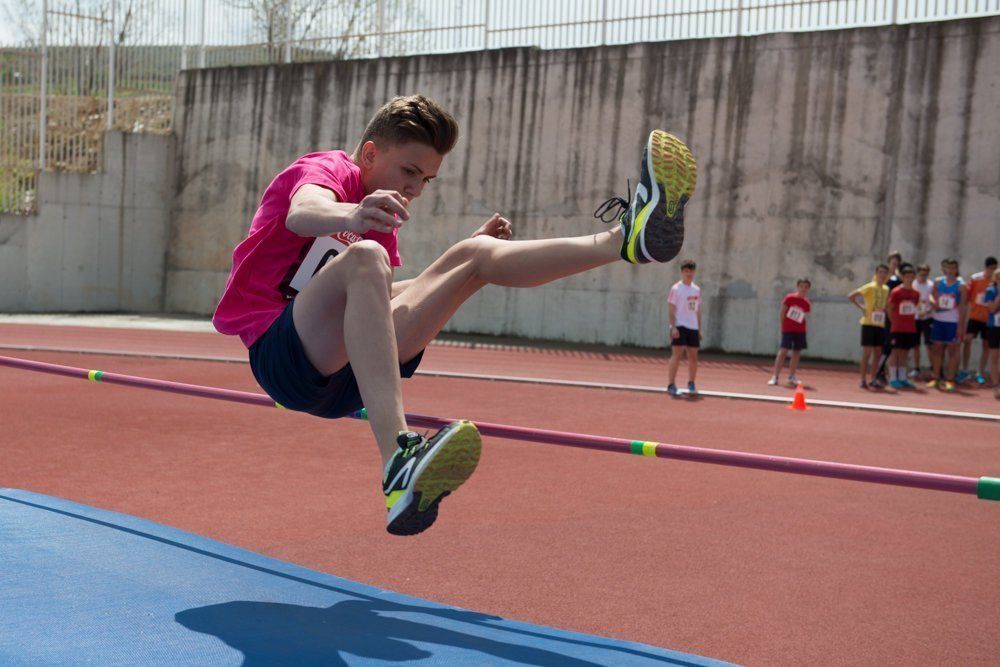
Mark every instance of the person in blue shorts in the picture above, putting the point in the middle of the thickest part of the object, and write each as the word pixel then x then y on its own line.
pixel 992 302
pixel 949 299
pixel 329 329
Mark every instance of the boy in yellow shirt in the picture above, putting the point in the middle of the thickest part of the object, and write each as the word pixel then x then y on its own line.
pixel 872 299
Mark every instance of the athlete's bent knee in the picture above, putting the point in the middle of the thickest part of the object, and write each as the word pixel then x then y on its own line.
pixel 472 251
pixel 367 257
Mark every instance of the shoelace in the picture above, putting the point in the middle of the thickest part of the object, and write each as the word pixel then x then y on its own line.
pixel 614 206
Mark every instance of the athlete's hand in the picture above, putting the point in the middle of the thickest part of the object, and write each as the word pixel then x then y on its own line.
pixel 497 226
pixel 381 211
pixel 675 333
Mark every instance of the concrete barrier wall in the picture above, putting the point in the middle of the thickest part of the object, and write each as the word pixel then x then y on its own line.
pixel 98 242
pixel 818 153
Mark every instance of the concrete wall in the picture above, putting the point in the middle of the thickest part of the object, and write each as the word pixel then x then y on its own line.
pixel 818 153
pixel 98 242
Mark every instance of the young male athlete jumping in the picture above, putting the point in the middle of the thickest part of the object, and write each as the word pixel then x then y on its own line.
pixel 312 296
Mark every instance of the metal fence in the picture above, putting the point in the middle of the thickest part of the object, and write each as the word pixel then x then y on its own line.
pixel 77 67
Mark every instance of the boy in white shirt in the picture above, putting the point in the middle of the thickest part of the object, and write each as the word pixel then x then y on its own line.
pixel 925 286
pixel 684 306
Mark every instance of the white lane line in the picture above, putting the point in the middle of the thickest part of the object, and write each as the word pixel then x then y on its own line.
pixel 550 381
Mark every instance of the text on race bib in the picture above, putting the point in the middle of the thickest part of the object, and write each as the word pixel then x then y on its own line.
pixel 981 299
pixel 693 304
pixel 878 317
pixel 907 308
pixel 322 251
pixel 796 314
pixel 946 301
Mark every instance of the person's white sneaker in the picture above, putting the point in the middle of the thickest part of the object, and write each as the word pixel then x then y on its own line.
pixel 773 381
pixel 792 380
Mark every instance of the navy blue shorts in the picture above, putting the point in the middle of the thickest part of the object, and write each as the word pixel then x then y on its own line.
pixel 793 340
pixel 279 363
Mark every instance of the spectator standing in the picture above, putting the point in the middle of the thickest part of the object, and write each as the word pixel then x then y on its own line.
pixel 795 308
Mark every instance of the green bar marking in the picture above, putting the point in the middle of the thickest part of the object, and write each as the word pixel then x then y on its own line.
pixel 636 447
pixel 988 488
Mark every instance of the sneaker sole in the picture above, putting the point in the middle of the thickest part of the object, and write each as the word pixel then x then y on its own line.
pixel 675 173
pixel 444 472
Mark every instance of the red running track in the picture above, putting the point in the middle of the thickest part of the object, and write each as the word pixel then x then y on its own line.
pixel 827 381
pixel 742 565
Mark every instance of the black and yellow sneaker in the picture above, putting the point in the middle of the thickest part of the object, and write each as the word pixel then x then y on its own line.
pixel 422 472
pixel 653 223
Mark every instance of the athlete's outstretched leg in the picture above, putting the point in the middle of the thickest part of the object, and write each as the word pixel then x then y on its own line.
pixel 422 310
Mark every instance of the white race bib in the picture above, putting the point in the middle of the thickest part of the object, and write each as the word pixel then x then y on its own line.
pixel 878 318
pixel 907 308
pixel 323 249
pixel 981 299
pixel 693 305
pixel 796 314
pixel 946 301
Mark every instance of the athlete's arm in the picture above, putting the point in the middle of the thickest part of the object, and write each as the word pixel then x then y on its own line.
pixel 853 298
pixel 314 211
pixel 963 311
pixel 784 314
pixel 672 316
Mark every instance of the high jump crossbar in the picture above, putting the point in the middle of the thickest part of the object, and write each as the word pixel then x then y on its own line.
pixel 986 488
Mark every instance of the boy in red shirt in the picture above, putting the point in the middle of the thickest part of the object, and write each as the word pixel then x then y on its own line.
pixel 794 309
pixel 903 302
pixel 312 296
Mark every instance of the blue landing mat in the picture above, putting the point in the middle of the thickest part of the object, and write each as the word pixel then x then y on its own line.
pixel 82 585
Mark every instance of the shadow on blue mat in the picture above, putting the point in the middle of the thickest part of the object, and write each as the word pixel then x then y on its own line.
pixel 273 633
pixel 268 633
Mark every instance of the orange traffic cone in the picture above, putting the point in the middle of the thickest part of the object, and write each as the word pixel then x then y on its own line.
pixel 799 402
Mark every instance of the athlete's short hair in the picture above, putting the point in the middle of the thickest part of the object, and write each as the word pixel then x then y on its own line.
pixel 803 281
pixel 924 267
pixel 895 254
pixel 949 261
pixel 882 266
pixel 906 268
pixel 688 264
pixel 413 118
pixel 991 261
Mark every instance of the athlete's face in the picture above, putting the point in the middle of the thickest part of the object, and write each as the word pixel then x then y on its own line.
pixel 908 278
pixel 950 270
pixel 922 275
pixel 405 168
pixel 687 275
pixel 881 274
pixel 803 289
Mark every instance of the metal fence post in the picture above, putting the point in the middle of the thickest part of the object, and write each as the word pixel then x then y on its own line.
pixel 184 34
pixel 486 24
pixel 739 19
pixel 287 49
pixel 43 112
pixel 381 29
pixel 111 67
pixel 604 22
pixel 895 12
pixel 201 44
